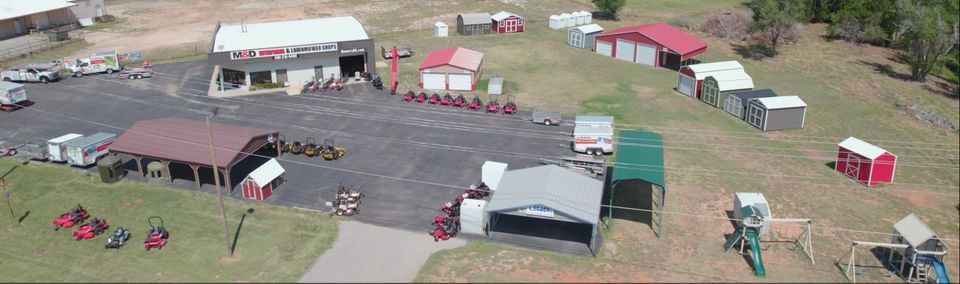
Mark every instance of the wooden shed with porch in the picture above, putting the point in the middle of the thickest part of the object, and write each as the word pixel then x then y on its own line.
pixel 474 24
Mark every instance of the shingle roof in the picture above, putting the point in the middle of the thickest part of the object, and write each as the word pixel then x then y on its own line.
pixel 665 34
pixel 455 56
pixel 560 189
pixel 475 18
pixel 863 148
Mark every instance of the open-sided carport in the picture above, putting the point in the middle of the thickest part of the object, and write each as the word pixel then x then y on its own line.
pixel 547 207
pixel 637 180
pixel 179 140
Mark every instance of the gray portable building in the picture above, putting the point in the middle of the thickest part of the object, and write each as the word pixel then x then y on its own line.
pixel 776 113
pixel 736 103
pixel 583 36
pixel 474 24
pixel 547 206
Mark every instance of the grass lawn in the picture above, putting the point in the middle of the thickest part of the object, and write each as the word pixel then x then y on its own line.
pixel 275 244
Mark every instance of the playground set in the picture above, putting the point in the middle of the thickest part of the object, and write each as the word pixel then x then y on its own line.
pixel 754 220
pixel 916 253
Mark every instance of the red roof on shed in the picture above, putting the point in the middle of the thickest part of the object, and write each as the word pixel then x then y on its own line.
pixel 456 56
pixel 186 141
pixel 666 35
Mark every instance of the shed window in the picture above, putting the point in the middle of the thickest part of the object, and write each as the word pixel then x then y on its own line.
pixel 756 116
pixel 576 39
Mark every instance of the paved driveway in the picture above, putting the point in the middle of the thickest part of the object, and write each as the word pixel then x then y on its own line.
pixel 368 253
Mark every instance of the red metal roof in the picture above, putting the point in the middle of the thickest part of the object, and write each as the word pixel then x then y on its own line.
pixel 186 141
pixel 455 56
pixel 665 34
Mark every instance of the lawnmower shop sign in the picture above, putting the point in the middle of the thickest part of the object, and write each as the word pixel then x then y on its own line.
pixel 538 210
pixel 282 52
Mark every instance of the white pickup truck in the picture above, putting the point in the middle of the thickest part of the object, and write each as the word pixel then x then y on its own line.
pixel 32 73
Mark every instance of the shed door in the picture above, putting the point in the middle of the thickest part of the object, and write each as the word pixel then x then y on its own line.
pixel 461 82
pixel 686 85
pixel 646 54
pixel 853 167
pixel 732 106
pixel 710 92
pixel 604 48
pixel 510 25
pixel 755 116
pixel 625 49
pixel 43 21
pixel 575 39
pixel 434 81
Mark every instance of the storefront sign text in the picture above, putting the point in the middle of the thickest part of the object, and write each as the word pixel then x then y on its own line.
pixel 283 52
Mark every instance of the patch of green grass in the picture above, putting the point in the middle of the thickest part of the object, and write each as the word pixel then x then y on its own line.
pixel 177 53
pixel 275 244
pixel 58 51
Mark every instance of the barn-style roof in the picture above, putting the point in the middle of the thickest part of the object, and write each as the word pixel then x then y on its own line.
pixel 503 15
pixel 475 18
pixel 703 70
pixel 454 56
pixel 862 148
pixel 574 195
pixel 732 80
pixel 665 34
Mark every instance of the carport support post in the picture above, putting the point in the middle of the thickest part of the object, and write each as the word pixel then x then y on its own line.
pixel 166 169
pixel 226 179
pixel 196 175
pixel 220 71
pixel 139 167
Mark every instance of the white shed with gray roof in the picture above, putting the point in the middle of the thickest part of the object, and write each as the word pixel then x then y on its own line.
pixel 547 202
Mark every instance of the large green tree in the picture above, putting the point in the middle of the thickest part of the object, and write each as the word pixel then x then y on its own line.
pixel 609 8
pixel 871 21
pixel 928 30
pixel 776 18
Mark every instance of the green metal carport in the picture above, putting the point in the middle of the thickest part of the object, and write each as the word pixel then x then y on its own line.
pixel 639 163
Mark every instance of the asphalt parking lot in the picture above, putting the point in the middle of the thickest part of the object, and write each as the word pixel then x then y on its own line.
pixel 409 158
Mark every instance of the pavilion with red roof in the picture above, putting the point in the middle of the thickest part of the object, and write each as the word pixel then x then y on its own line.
pixel 657 45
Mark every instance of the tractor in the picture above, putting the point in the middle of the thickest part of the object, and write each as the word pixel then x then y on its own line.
pixel 332 152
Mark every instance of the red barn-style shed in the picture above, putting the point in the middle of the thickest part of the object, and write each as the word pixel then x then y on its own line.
pixel 506 22
pixel 263 181
pixel 653 44
pixel 864 162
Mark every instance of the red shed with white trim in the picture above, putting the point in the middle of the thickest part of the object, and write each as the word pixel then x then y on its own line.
pixel 864 162
pixel 656 45
pixel 263 181
pixel 506 22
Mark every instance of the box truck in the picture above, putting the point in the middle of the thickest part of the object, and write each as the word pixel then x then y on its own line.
pixel 100 62
pixel 85 151
pixel 593 134
pixel 12 95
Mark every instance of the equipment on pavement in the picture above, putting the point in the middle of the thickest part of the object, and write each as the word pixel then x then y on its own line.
pixel 332 152
pixel 510 107
pixel 493 106
pixel 475 104
pixel 460 101
pixel 310 147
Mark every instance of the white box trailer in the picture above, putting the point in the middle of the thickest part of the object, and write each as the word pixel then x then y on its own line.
pixel 85 151
pixel 56 150
pixel 593 140
pixel 11 94
pixel 100 62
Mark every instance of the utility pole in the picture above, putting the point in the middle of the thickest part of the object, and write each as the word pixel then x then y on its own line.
pixel 6 196
pixel 216 181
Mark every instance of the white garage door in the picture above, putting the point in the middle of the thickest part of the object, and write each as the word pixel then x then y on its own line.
pixel 625 49
pixel 604 48
pixel 460 82
pixel 686 85
pixel 646 54
pixel 434 81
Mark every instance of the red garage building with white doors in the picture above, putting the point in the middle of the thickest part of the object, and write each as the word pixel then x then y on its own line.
pixel 653 44
pixel 454 68
pixel 865 163
pixel 506 22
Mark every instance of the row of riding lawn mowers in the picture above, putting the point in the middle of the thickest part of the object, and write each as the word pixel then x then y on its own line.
pixel 448 224
pixel 156 236
pixel 459 101
pixel 310 148
pixel 347 202
pixel 321 85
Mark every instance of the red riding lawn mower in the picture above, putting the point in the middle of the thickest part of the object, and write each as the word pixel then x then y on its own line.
pixel 446 100
pixel 157 235
pixel 493 106
pixel 460 101
pixel 478 191
pixel 67 220
pixel 91 229
pixel 434 99
pixel 447 227
pixel 422 97
pixel 511 107
pixel 475 104
pixel 409 96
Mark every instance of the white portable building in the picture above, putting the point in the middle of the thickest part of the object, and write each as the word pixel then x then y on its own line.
pixel 491 173
pixel 495 86
pixel 472 218
pixel 440 29
pixel 57 148
pixel 556 22
pixel 744 199
pixel 587 17
pixel 583 36
pixel 568 20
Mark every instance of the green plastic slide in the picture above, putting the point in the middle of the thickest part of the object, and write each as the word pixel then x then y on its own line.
pixel 754 237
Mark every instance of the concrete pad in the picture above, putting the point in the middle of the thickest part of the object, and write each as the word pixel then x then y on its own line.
pixel 368 253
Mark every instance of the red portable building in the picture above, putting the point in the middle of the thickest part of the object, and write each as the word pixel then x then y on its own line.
pixel 506 22
pixel 263 181
pixel 864 162
pixel 653 44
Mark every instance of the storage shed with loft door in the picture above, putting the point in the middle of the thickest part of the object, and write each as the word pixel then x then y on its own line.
pixel 867 164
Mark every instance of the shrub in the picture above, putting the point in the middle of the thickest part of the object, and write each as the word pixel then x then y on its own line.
pixel 104 19
pixel 730 25
pixel 260 86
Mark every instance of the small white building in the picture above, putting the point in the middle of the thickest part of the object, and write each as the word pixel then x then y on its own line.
pixel 440 29
pixel 569 20
pixel 491 173
pixel 495 86
pixel 587 17
pixel 579 18
pixel 744 199
pixel 472 218
pixel 556 22
pixel 583 36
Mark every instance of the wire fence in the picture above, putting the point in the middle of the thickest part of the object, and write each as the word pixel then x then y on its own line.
pixel 35 44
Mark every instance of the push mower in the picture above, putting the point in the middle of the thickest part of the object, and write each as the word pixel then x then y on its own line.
pixel 460 101
pixel 511 107
pixel 475 104
pixel 377 82
pixel 409 96
pixel 118 238
pixel 422 97
pixel 91 229
pixel 296 148
pixel 73 216
pixel 332 152
pixel 493 106
pixel 446 100
pixel 434 99
pixel 157 235
pixel 310 148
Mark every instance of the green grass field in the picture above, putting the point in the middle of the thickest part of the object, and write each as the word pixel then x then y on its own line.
pixel 275 244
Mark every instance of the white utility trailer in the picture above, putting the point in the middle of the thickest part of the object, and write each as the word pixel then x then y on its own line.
pixel 86 151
